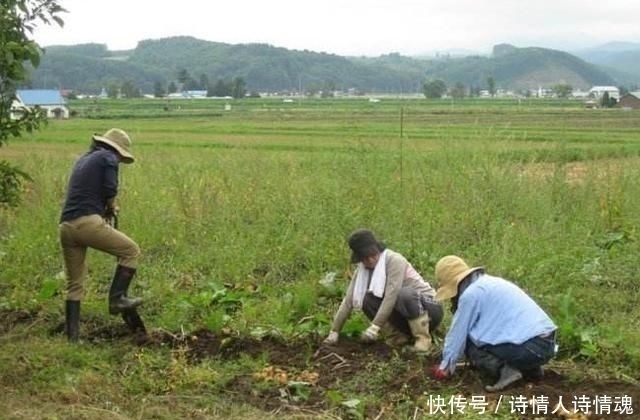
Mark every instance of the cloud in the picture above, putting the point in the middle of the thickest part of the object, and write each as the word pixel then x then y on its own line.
pixel 353 27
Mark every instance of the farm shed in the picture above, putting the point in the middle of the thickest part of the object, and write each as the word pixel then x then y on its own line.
pixel 630 100
pixel 49 100
pixel 598 91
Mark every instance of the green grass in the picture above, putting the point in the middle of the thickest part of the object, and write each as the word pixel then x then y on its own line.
pixel 241 213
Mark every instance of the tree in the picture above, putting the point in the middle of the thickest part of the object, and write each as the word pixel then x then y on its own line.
pixel 204 82
pixel 172 88
pixel 113 90
pixel 191 84
pixel 491 83
pixel 238 89
pixel 606 101
pixel 328 89
pixel 183 78
pixel 220 89
pixel 158 89
pixel 434 89
pixel 18 19
pixel 458 91
pixel 183 75
pixel 562 90
pixel 129 90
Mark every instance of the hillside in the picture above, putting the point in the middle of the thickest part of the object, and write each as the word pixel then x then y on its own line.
pixel 268 68
pixel 90 67
pixel 620 59
pixel 520 68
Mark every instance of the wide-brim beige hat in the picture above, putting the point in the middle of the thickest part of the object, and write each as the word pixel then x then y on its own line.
pixel 450 271
pixel 120 141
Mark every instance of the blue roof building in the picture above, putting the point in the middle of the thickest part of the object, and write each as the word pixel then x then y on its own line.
pixel 50 100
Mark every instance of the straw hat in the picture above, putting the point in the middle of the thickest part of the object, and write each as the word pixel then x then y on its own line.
pixel 450 271
pixel 119 140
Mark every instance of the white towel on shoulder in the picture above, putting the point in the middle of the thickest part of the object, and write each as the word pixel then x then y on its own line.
pixel 377 284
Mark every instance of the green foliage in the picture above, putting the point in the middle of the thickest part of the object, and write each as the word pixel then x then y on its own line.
pixel 235 88
pixel 562 90
pixel 458 91
pixel 576 340
pixel 12 181
pixel 49 289
pixel 434 89
pixel 623 64
pixel 267 68
pixel 213 304
pixel 606 101
pixel 353 408
pixel 129 90
pixel 491 85
pixel 18 18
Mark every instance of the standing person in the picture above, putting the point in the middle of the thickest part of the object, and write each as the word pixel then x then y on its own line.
pixel 90 201
pixel 390 292
pixel 501 330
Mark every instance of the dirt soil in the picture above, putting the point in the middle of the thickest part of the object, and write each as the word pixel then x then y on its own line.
pixel 274 388
pixel 301 375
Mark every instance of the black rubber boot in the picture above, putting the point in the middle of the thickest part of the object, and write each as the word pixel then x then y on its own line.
pixel 134 321
pixel 118 300
pixel 72 320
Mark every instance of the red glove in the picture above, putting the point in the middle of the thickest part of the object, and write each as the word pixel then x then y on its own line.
pixel 439 374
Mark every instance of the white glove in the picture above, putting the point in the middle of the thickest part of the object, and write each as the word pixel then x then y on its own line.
pixel 370 334
pixel 332 338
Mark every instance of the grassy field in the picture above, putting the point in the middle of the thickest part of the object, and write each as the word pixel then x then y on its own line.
pixel 241 213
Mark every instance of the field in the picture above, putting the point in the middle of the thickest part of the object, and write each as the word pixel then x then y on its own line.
pixel 242 216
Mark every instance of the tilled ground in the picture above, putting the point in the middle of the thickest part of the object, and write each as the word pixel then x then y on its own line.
pixel 278 386
pixel 304 376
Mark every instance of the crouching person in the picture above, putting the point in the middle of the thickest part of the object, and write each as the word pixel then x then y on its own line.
pixel 500 329
pixel 390 292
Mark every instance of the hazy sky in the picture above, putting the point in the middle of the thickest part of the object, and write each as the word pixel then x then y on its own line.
pixel 351 27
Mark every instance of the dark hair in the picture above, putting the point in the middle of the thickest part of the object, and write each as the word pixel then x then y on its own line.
pixel 461 288
pixel 98 145
pixel 363 243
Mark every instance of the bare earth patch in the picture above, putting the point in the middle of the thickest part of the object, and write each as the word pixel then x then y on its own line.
pixel 302 376
pixel 277 387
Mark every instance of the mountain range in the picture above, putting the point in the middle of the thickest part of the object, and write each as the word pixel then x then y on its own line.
pixel 89 68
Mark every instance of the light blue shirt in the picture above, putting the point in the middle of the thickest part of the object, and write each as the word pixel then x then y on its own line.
pixel 492 310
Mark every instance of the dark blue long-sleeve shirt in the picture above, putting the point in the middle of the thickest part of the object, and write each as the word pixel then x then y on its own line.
pixel 93 181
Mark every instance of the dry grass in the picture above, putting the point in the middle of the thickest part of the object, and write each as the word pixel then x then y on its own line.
pixel 577 172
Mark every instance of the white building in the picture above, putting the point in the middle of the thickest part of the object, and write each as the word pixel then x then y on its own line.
pixel 598 91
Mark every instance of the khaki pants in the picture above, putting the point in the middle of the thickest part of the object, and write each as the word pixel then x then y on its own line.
pixel 92 232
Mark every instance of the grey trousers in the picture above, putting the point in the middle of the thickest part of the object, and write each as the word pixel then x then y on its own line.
pixel 409 305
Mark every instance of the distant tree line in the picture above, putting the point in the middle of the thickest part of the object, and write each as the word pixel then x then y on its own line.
pixel 434 89
pixel 184 63
pixel 438 88
pixel 234 87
